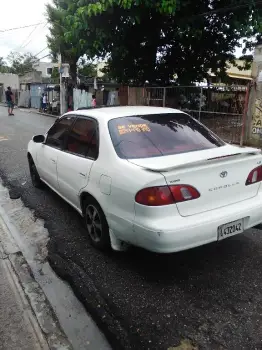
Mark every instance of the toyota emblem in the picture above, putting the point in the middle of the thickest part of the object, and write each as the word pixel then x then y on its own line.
pixel 223 174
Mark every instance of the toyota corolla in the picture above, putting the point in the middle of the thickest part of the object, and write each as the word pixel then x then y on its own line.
pixel 150 177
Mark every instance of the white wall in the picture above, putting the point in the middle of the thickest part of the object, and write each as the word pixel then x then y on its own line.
pixel 42 67
pixel 8 79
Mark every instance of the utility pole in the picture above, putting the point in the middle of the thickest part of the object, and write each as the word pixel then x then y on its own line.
pixel 62 86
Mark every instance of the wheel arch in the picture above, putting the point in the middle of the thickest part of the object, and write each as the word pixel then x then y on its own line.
pixel 84 196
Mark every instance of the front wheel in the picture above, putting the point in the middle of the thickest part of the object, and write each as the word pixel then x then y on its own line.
pixel 96 225
pixel 35 178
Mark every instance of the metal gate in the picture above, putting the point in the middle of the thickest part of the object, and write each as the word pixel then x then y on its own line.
pixel 219 107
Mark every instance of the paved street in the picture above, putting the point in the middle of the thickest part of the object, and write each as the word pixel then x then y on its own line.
pixel 210 296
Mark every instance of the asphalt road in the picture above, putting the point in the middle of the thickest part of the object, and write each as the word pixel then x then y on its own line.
pixel 210 296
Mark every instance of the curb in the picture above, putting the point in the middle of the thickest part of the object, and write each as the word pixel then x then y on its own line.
pixel 37 112
pixel 42 310
pixel 48 115
pixel 39 304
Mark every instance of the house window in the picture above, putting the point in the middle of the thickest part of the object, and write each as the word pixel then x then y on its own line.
pixel 49 71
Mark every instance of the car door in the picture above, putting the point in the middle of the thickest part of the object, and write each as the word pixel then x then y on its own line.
pixel 49 150
pixel 75 163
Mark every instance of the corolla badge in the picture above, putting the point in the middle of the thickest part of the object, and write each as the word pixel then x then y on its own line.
pixel 223 174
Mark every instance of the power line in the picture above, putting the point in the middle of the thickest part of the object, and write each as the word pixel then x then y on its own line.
pixel 41 51
pixel 43 57
pixel 31 34
pixel 23 44
pixel 16 28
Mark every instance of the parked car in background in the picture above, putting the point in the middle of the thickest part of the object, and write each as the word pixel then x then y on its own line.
pixel 150 177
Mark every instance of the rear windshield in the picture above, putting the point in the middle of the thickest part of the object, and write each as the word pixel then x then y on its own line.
pixel 157 135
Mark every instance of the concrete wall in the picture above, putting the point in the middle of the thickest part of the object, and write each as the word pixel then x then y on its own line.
pixel 30 77
pixel 43 67
pixel 8 79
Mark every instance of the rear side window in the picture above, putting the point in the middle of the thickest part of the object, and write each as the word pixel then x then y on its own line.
pixel 83 138
pixel 57 134
pixel 157 135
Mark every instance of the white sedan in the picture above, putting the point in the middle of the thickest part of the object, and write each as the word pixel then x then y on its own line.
pixel 150 177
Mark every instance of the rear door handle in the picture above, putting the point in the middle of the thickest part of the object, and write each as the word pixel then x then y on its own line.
pixel 84 175
pixel 53 161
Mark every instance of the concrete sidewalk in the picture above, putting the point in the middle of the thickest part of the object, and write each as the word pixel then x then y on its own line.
pixel 18 327
pixel 27 321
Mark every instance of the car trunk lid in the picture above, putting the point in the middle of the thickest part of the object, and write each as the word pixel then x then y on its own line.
pixel 218 174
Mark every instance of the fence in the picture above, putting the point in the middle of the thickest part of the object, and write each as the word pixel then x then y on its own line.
pixel 219 107
pixel 81 98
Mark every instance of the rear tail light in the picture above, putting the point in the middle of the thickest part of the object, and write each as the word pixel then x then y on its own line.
pixel 165 195
pixel 254 176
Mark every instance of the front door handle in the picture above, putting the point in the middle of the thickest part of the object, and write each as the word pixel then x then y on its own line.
pixel 53 161
pixel 84 175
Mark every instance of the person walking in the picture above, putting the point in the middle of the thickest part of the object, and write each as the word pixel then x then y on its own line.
pixel 41 103
pixel 9 100
pixel 44 102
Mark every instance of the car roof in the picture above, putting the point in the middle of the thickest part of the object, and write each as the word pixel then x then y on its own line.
pixel 108 113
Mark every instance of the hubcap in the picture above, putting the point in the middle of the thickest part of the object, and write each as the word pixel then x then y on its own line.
pixel 93 223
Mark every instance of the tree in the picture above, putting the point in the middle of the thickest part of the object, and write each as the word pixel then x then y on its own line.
pixel 2 62
pixel 70 49
pixel 55 74
pixel 87 69
pixel 21 63
pixel 155 40
pixel 3 66
pixel 95 7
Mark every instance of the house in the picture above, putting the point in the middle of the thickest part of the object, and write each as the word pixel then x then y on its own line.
pixel 46 68
pixel 236 76
pixel 29 78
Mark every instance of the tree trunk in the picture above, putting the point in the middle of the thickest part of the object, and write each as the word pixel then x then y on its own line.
pixel 73 72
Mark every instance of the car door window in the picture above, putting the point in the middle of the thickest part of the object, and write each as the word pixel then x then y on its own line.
pixel 83 138
pixel 56 135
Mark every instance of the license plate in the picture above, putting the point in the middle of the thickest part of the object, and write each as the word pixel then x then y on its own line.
pixel 230 229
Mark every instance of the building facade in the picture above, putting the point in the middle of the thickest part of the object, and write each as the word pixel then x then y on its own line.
pixel 46 68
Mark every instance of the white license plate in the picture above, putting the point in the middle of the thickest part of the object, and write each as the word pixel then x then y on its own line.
pixel 230 229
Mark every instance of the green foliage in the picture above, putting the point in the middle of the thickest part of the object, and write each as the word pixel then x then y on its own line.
pixel 21 63
pixel 98 6
pixel 3 66
pixel 87 69
pixel 158 39
pixel 55 73
pixel 60 39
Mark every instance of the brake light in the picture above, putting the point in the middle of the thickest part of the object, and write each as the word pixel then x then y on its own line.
pixel 165 195
pixel 254 176
pixel 183 193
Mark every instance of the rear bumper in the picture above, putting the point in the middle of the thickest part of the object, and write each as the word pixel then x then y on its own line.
pixel 181 233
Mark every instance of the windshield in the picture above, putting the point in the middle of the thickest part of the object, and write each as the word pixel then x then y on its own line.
pixel 157 135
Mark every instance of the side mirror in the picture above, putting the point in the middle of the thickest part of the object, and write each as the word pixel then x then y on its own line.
pixel 39 138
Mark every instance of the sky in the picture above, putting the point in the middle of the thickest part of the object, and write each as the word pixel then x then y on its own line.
pixel 18 13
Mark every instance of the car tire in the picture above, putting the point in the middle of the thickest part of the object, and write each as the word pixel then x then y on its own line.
pixel 96 225
pixel 35 178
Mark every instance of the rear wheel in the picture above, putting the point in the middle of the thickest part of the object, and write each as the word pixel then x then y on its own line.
pixel 96 225
pixel 35 178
